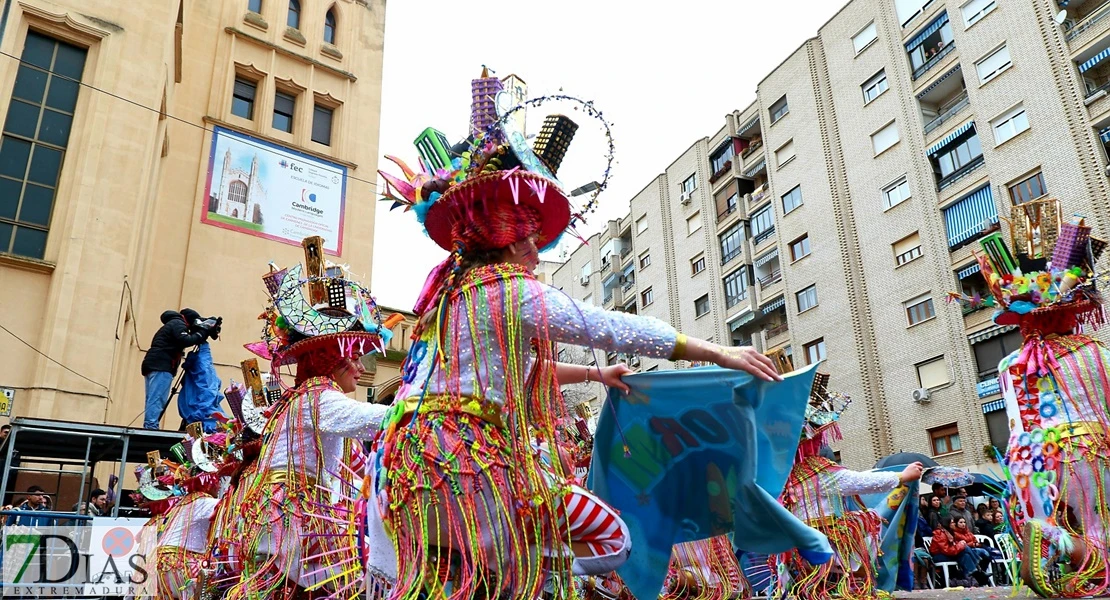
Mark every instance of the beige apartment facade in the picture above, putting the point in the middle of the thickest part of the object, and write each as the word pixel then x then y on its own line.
pixel 203 140
pixel 842 206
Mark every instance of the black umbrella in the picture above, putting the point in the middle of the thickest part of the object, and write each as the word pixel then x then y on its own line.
pixel 905 458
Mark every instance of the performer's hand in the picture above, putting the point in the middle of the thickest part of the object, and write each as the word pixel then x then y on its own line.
pixel 746 358
pixel 912 472
pixel 611 376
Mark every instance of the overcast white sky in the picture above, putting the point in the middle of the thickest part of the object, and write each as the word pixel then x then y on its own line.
pixel 664 78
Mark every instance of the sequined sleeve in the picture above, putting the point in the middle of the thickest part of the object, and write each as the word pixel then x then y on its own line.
pixel 342 416
pixel 573 322
pixel 862 483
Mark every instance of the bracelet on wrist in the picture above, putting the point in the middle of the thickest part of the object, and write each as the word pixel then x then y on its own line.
pixel 679 352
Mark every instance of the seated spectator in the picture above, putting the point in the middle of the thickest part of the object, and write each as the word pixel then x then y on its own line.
pixel 984 520
pixel 96 506
pixel 999 523
pixel 948 547
pixel 36 500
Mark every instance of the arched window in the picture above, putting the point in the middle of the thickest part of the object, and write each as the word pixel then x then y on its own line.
pixel 329 27
pixel 294 19
pixel 237 192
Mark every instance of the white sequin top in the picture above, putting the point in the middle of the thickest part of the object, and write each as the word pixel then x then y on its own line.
pixel 567 321
pixel 188 527
pixel 339 418
pixel 843 482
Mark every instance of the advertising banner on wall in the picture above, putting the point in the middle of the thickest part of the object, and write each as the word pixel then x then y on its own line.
pixel 270 191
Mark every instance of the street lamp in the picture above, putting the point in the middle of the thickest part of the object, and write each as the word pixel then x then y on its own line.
pixel 589 187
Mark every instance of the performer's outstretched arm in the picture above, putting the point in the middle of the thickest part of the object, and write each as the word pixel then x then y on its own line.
pixel 349 418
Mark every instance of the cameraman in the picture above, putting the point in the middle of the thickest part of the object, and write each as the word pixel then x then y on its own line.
pixel 179 331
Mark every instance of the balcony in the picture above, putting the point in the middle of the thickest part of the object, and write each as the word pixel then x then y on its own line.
pixel 770 279
pixel 628 284
pixel 950 109
pixel 776 335
pixel 751 149
pixel 762 236
pixel 960 173
pixel 934 61
pixel 729 209
pixel 724 170
pixel 735 299
pixel 977 317
pixel 1089 28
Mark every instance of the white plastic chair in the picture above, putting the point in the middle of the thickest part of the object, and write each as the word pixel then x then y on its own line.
pixel 988 542
pixel 1009 561
pixel 944 567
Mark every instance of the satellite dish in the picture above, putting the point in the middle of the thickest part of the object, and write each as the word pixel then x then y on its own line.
pixel 1061 16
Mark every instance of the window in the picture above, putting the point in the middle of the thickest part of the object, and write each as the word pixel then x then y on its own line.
pixel 732 242
pixel 784 154
pixel 896 193
pixel 926 51
pixel 329 27
pixel 689 184
pixel 990 352
pixel 321 125
pixel 992 65
pixel 645 260
pixel 34 142
pixel 919 309
pixel 908 9
pixel 697 265
pixel 294 17
pixel 807 298
pixel 587 270
pixel 641 225
pixel 1028 189
pixel 646 297
pixel 874 87
pixel 1010 124
pixel 815 351
pixel 960 155
pixel 254 6
pixel 242 98
pixel 283 112
pixel 722 157
pixel 945 439
pixel 693 223
pixel 907 249
pixel 762 222
pixel 864 38
pixel 701 306
pixel 736 286
pixel 779 110
pixel 792 200
pixel 976 10
pixel 589 299
pixel 885 138
pixel 933 373
pixel 799 248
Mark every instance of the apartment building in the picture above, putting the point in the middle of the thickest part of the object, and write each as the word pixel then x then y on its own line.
pixel 831 216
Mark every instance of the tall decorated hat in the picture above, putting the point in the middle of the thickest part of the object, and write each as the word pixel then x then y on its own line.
pixel 317 316
pixel 494 188
pixel 1046 282
pixel 822 420
pixel 198 463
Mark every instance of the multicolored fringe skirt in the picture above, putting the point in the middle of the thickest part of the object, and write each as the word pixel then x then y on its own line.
pixel 854 537
pixel 705 570
pixel 470 520
pixel 296 540
pixel 179 573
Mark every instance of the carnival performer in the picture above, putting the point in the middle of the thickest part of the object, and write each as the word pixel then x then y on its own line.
pixel 705 570
pixel 461 479
pixel 827 497
pixel 1055 388
pixel 299 530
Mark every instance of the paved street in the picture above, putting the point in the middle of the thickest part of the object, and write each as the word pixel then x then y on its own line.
pixel 967 594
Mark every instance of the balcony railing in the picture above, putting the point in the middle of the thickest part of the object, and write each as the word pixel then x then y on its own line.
pixel 758 194
pixel 770 279
pixel 1088 22
pixel 756 145
pixel 626 250
pixel 728 211
pixel 766 233
pixel 608 298
pixel 721 172
pixel 949 110
pixel 731 254
pixel 932 62
pixel 777 330
pixel 960 173
pixel 628 285
pixel 1102 88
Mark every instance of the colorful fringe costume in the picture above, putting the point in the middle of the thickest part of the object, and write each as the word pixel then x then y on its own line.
pixel 826 497
pixel 183 546
pixel 461 477
pixel 705 570
pixel 1058 458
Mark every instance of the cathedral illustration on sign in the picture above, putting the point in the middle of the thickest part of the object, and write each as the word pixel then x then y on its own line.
pixel 240 193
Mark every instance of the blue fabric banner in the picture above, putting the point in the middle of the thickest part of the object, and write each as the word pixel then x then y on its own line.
pixel 200 394
pixel 898 510
pixel 709 451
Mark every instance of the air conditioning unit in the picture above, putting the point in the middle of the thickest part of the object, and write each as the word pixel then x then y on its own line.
pixel 921 395
pixel 686 197
pixel 584 280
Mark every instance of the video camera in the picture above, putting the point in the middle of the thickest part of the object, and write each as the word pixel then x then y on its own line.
pixel 211 325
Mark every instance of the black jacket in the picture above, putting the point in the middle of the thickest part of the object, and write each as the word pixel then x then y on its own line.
pixel 169 343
